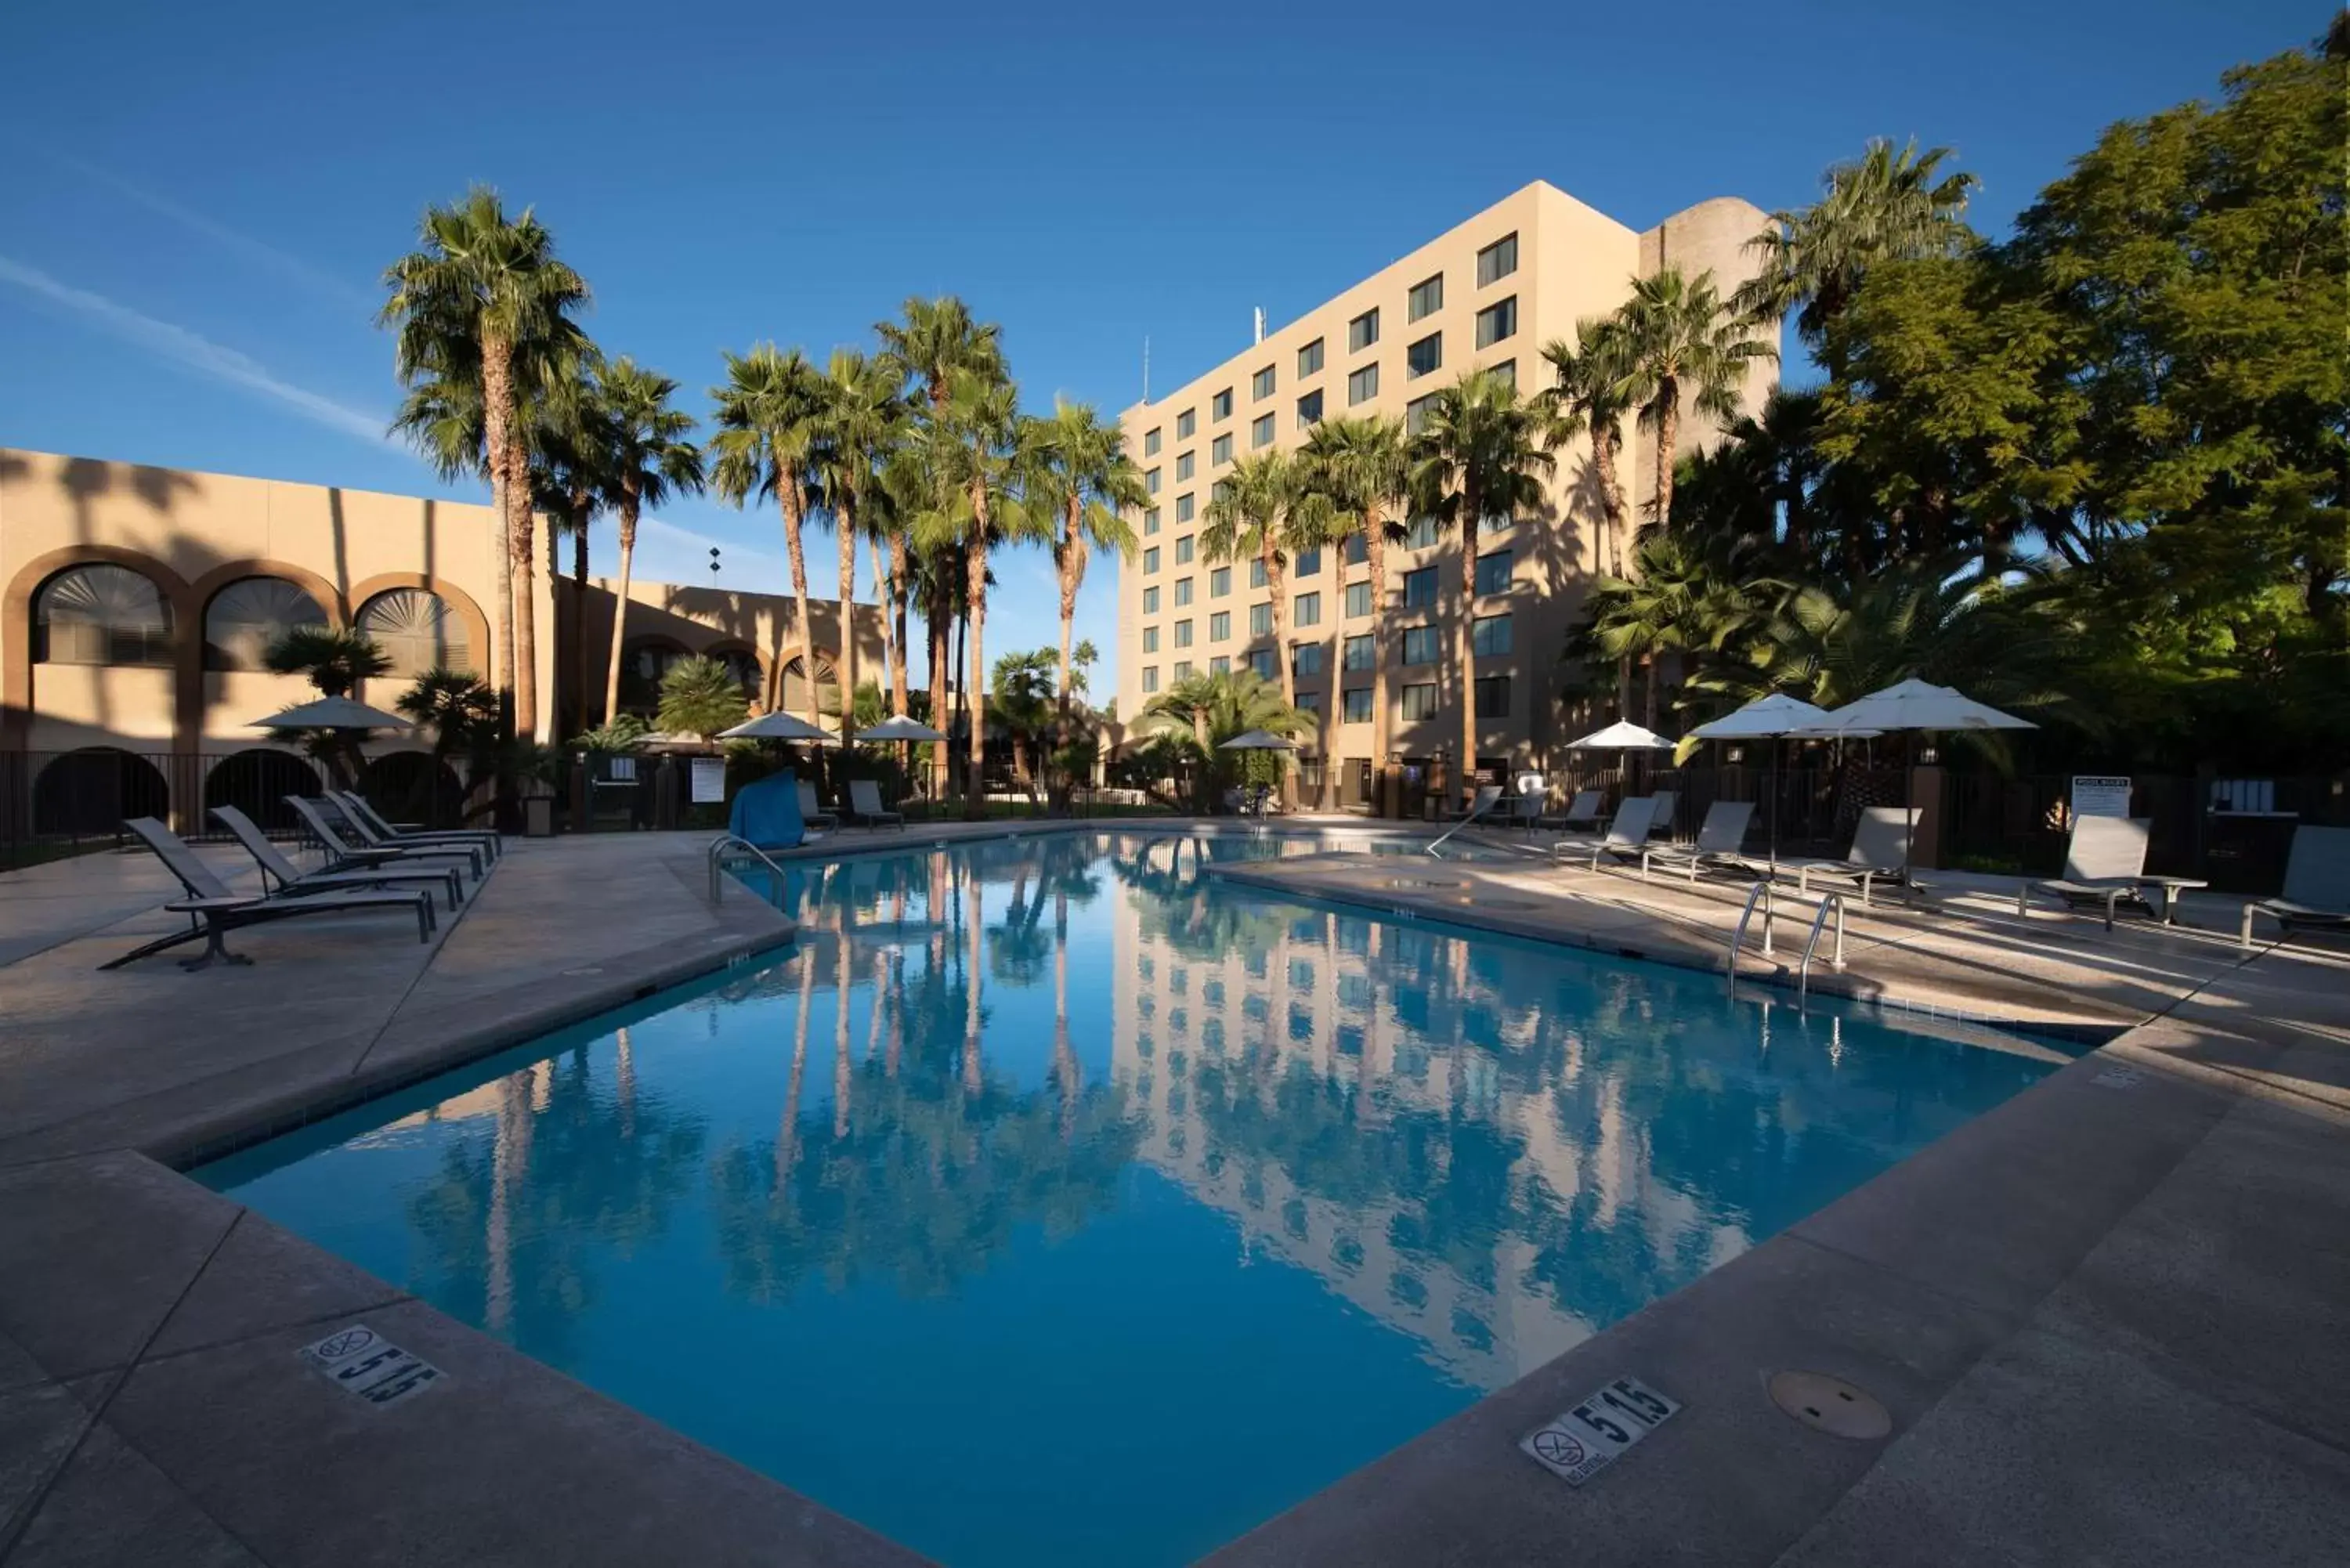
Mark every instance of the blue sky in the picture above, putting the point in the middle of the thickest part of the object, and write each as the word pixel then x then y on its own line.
pixel 202 198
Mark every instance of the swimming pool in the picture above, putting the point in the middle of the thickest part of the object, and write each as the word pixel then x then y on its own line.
pixel 1050 1202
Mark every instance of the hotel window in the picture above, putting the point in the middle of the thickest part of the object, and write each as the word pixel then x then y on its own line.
pixel 1506 372
pixel 1358 550
pixel 1182 670
pixel 1219 490
pixel 1150 678
pixel 1308 607
pixel 1493 572
pixel 1308 563
pixel 1151 481
pixel 1421 534
pixel 1363 331
pixel 1497 321
pixel 1416 412
pixel 1221 450
pixel 1184 464
pixel 1184 548
pixel 1263 661
pixel 1419 701
pixel 1492 696
pixel 1419 643
pixel 1355 652
pixel 1185 424
pixel 1420 588
pixel 1363 384
pixel 1426 298
pixel 1489 635
pixel 1150 559
pixel 1183 592
pixel 1150 521
pixel 1309 409
pixel 1497 260
pixel 1306 658
pixel 1220 407
pixel 1220 582
pixel 1182 634
pixel 1150 445
pixel 1359 600
pixel 1260 431
pixel 1424 357
pixel 1261 619
pixel 1150 599
pixel 1184 505
pixel 1150 640
pixel 1309 358
pixel 1309 702
pixel 1219 627
pixel 1359 705
pixel 1260 385
pixel 1256 573
pixel 1221 664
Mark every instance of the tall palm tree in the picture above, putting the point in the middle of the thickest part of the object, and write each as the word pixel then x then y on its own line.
pixel 1251 514
pixel 567 485
pixel 1673 604
pixel 1587 398
pixel 767 419
pixel 1480 454
pixel 1681 342
pixel 859 419
pixel 481 289
pixel 1085 480
pixel 1360 471
pixel 644 457
pixel 1883 206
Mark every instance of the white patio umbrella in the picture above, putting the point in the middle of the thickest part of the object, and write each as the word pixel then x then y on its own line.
pixel 1258 740
pixel 778 727
pixel 900 728
pixel 1622 737
pixel 1910 706
pixel 332 713
pixel 1767 719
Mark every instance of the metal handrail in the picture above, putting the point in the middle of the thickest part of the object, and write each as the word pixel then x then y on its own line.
pixel 726 840
pixel 1476 812
pixel 1804 971
pixel 1761 890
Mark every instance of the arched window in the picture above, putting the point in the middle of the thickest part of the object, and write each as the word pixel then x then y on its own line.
pixel 101 614
pixel 744 667
pixel 246 618
pixel 643 661
pixel 794 692
pixel 417 631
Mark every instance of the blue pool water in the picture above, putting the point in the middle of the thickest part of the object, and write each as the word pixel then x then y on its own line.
pixel 1050 1203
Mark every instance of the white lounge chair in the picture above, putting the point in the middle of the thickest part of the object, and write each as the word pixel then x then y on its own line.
pixel 2316 884
pixel 213 910
pixel 283 876
pixel 1582 812
pixel 1719 839
pixel 2103 862
pixel 1879 853
pixel 864 805
pixel 343 855
pixel 812 812
pixel 1629 831
pixel 372 827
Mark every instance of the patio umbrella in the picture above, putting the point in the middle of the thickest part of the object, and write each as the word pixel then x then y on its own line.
pixel 1622 737
pixel 1257 741
pixel 900 728
pixel 1910 706
pixel 776 727
pixel 332 713
pixel 1767 719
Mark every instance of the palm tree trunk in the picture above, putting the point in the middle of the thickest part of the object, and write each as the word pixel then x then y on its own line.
pixel 498 417
pixel 1376 549
pixel 1606 445
pixel 522 533
pixel 1669 429
pixel 1470 502
pixel 974 802
pixel 793 546
pixel 934 628
pixel 1273 581
pixel 1072 566
pixel 901 567
pixel 628 505
pixel 845 662
pixel 579 613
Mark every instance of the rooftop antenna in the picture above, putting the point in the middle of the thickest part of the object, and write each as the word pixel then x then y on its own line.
pixel 1260 323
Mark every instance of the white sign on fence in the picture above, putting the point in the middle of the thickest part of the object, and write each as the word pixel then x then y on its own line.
pixel 709 780
pixel 2097 794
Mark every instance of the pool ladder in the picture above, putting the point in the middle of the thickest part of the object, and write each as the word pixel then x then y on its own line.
pixel 1761 893
pixel 725 842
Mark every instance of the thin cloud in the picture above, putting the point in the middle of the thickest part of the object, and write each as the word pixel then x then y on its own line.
pixel 193 351
pixel 341 291
pixel 687 535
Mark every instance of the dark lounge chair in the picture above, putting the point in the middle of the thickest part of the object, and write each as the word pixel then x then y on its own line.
pixel 213 910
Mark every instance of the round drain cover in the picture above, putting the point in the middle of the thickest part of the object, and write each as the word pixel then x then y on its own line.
pixel 1830 1405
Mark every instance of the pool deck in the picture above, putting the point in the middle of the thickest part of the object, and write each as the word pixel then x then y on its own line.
pixel 2110 1319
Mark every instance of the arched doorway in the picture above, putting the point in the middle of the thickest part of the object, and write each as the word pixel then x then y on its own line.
pixel 412 786
pixel 256 782
pixel 95 790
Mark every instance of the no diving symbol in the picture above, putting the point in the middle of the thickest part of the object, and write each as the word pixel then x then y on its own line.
pixel 1556 1448
pixel 337 1346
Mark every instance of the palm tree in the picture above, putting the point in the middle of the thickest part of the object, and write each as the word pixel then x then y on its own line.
pixel 859 418
pixel 1673 603
pixel 567 487
pixel 768 418
pixel 1587 397
pixel 1883 206
pixel 480 298
pixel 1359 471
pixel 700 696
pixel 1087 482
pixel 1479 453
pixel 336 661
pixel 1020 687
pixel 1251 515
pixel 1680 342
pixel 1212 709
pixel 642 457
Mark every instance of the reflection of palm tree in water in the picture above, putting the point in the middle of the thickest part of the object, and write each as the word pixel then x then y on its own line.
pixel 788 1135
pixel 971 1021
pixel 840 988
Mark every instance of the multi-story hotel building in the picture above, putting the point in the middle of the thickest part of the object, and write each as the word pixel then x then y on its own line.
pixel 1489 292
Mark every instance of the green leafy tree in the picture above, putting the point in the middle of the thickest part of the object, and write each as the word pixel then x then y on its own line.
pixel 701 697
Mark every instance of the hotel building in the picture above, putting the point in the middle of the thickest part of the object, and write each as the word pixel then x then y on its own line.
pixel 1489 292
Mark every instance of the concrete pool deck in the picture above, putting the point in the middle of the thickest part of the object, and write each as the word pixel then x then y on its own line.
pixel 2107 1318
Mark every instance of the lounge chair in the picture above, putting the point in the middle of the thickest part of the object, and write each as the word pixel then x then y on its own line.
pixel 372 827
pixel 2316 884
pixel 2103 863
pixel 812 812
pixel 291 879
pixel 344 854
pixel 864 805
pixel 1582 812
pixel 213 910
pixel 1662 821
pixel 1628 832
pixel 1478 804
pixel 1718 840
pixel 1879 853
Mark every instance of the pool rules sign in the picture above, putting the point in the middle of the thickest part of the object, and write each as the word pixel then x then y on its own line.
pixel 1578 1444
pixel 364 1364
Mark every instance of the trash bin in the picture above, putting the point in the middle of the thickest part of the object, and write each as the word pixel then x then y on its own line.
pixel 538 816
